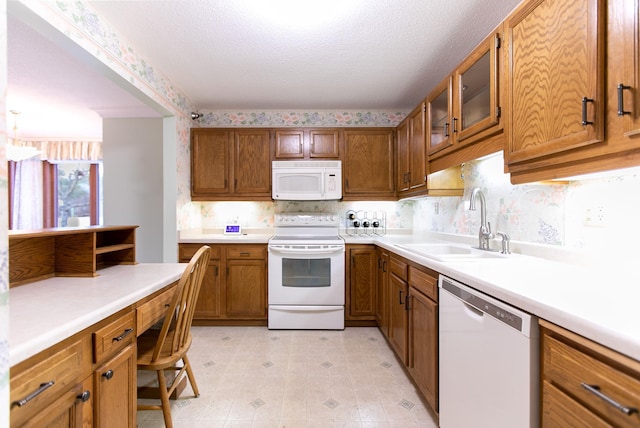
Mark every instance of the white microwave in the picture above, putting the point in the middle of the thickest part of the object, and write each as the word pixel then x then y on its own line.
pixel 307 180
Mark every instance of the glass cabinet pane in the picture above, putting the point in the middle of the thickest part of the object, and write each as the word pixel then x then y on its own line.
pixel 475 84
pixel 439 119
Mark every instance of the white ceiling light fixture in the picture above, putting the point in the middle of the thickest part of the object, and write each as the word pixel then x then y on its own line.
pixel 19 153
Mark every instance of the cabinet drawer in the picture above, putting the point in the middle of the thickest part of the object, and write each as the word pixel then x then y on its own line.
pixel 154 310
pixel 569 368
pixel 241 252
pixel 424 282
pixel 41 384
pixel 186 251
pixel 560 410
pixel 398 268
pixel 114 336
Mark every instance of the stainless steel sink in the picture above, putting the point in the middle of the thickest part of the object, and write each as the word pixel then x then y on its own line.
pixel 450 252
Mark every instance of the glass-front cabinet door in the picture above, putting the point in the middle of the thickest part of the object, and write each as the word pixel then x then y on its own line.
pixel 477 92
pixel 441 124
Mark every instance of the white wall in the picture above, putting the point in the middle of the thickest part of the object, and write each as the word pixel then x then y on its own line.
pixel 134 183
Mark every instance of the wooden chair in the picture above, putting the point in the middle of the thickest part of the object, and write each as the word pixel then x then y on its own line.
pixel 161 350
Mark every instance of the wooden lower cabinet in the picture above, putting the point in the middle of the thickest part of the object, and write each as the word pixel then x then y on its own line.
pixel 360 275
pixel 83 381
pixel 246 289
pixel 235 283
pixel 115 390
pixel 586 384
pixel 423 332
pixel 382 291
pixel 407 314
pixel 398 313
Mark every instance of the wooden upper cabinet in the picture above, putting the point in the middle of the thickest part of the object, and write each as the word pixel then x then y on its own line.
pixel 555 84
pixel 368 164
pixel 623 71
pixel 321 143
pixel 210 161
pixel 230 164
pixel 440 117
pixel 631 100
pixel 477 101
pixel 402 157
pixel 252 163
pixel 466 107
pixel 411 162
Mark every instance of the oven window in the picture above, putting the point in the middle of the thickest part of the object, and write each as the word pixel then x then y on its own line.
pixel 306 272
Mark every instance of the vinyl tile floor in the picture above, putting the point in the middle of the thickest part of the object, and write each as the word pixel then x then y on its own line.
pixel 256 377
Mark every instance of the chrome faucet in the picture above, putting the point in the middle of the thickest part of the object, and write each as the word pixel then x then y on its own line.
pixel 484 234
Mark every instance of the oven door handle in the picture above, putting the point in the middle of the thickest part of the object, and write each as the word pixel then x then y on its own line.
pixel 309 251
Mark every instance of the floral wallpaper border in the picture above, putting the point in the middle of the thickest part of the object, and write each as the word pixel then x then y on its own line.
pixel 285 118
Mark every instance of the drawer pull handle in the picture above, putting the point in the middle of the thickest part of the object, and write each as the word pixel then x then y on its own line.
pixel 621 89
pixel 585 100
pixel 43 386
pixel 126 333
pixel 85 396
pixel 108 374
pixel 595 389
pixel 245 253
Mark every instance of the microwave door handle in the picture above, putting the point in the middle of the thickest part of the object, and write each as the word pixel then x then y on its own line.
pixel 323 175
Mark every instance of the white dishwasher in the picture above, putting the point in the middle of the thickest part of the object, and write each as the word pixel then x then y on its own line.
pixel 489 353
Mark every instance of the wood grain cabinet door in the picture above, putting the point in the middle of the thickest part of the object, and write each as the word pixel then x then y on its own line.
pixel 210 161
pixel 423 345
pixel 368 168
pixel 555 83
pixel 361 288
pixel 246 289
pixel 115 390
pixel 252 162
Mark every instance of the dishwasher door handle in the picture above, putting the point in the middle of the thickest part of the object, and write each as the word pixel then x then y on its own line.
pixel 474 311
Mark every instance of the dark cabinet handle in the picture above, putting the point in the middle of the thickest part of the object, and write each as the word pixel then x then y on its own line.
pixel 454 125
pixel 585 100
pixel 126 333
pixel 446 129
pixel 400 302
pixel 43 387
pixel 595 390
pixel 85 396
pixel 384 266
pixel 406 302
pixel 108 374
pixel 244 253
pixel 621 89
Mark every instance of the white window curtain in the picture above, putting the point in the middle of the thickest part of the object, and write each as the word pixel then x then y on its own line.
pixel 27 195
pixel 53 151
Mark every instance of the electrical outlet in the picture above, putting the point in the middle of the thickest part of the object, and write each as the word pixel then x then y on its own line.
pixel 595 217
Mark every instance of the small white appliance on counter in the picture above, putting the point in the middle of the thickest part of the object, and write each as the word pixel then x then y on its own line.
pixel 488 356
pixel 306 273
pixel 306 180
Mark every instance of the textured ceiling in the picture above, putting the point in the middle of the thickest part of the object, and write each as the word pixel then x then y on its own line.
pixel 295 54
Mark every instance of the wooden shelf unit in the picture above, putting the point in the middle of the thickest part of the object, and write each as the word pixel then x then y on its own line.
pixel 68 251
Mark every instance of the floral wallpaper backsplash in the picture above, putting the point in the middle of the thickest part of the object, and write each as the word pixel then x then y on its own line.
pixel 590 213
pixel 285 118
pixel 398 215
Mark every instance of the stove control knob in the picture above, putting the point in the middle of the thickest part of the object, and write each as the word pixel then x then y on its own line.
pixel 356 223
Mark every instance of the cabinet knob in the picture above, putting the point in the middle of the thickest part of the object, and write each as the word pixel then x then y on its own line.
pixel 85 396
pixel 108 374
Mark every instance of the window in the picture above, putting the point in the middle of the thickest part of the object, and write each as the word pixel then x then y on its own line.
pixel 44 194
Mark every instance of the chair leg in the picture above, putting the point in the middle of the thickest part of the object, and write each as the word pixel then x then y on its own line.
pixel 164 398
pixel 192 378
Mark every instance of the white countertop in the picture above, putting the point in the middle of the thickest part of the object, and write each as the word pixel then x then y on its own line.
pixel 596 302
pixel 217 236
pixel 46 312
